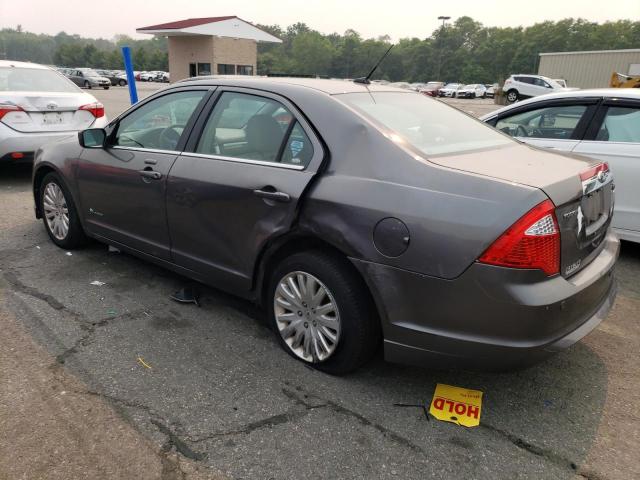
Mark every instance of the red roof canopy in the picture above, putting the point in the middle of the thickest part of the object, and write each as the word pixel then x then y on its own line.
pixel 189 22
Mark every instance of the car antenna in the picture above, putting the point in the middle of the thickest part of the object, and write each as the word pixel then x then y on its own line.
pixel 365 80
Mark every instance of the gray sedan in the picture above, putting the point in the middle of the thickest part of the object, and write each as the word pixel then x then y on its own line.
pixel 352 213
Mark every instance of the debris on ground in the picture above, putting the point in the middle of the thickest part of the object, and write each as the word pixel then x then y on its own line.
pixel 111 311
pixel 97 283
pixel 113 249
pixel 461 406
pixel 68 254
pixel 143 363
pixel 188 294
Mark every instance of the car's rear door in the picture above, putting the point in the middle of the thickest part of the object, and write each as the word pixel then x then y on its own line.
pixel 238 184
pixel 614 137
pixel 123 186
pixel 556 124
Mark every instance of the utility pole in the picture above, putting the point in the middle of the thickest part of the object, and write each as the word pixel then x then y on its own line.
pixel 444 19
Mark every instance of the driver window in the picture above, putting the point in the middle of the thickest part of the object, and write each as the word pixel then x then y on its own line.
pixel 159 123
pixel 550 122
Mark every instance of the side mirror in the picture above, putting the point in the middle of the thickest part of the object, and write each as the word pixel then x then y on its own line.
pixel 92 138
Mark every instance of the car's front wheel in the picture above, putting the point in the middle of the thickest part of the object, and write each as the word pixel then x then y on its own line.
pixel 122 83
pixel 322 313
pixel 512 96
pixel 59 213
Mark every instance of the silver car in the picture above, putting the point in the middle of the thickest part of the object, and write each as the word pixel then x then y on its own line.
pixel 40 105
pixel 603 124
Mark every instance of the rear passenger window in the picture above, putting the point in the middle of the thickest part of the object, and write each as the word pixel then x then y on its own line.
pixel 621 124
pixel 251 127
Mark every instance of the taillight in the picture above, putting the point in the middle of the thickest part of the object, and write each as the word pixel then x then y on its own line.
pixel 96 109
pixel 8 108
pixel 532 242
pixel 594 171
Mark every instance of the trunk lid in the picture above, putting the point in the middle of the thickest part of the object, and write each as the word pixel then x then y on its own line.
pixel 47 112
pixel 584 206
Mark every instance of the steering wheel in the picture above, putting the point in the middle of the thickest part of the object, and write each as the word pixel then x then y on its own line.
pixel 521 131
pixel 170 136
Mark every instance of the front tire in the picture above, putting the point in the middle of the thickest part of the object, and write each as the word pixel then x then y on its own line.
pixel 322 313
pixel 512 96
pixel 122 83
pixel 59 213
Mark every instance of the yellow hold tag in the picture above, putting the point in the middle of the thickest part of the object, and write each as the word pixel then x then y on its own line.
pixel 457 405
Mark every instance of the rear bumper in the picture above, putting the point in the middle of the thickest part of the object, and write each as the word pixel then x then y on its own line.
pixel 28 142
pixel 489 318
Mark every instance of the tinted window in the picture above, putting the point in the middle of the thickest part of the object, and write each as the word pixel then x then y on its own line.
pixel 33 80
pixel 245 69
pixel 621 124
pixel 204 69
pixel 548 122
pixel 159 123
pixel 254 128
pixel 427 124
pixel 226 69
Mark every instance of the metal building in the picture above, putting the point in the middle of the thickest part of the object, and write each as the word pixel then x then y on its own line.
pixel 590 69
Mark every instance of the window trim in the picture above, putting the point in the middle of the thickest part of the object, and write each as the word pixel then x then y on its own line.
pixel 112 127
pixel 319 152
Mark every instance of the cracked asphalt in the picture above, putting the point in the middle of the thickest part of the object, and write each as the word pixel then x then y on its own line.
pixel 155 389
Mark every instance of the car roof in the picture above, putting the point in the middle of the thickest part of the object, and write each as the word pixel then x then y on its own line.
pixel 632 93
pixel 329 86
pixel 15 64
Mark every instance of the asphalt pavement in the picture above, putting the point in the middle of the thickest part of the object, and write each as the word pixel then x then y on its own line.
pixel 206 392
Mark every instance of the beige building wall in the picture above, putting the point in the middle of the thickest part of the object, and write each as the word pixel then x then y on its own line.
pixel 186 49
pixel 587 69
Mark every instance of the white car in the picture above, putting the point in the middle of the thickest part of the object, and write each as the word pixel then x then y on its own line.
pixel 450 90
pixel 518 87
pixel 474 90
pixel 149 76
pixel 39 105
pixel 601 123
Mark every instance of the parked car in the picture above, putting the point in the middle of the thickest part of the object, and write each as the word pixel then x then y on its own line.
pixel 431 88
pixel 450 90
pixel 446 246
pixel 490 91
pixel 473 90
pixel 88 78
pixel 162 77
pixel 518 87
pixel 149 76
pixel 114 78
pixel 40 105
pixel 603 124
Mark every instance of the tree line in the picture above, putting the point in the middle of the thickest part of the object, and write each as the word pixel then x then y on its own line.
pixel 464 50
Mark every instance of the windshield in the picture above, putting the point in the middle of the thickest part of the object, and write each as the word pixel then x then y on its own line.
pixel 34 80
pixel 428 125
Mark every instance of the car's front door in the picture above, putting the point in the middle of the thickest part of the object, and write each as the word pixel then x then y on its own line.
pixel 123 186
pixel 238 183
pixel 614 137
pixel 557 125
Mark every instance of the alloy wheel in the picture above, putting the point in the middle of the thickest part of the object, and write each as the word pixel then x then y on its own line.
pixel 307 316
pixel 56 211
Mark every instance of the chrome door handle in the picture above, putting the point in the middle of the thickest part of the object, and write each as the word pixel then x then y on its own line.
pixel 272 195
pixel 150 174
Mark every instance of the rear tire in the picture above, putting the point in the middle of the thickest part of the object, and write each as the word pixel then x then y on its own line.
pixel 122 83
pixel 345 335
pixel 512 96
pixel 53 208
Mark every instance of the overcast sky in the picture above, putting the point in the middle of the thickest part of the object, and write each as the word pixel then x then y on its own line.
pixel 399 19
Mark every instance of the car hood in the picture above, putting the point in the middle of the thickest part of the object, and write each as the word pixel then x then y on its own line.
pixel 557 174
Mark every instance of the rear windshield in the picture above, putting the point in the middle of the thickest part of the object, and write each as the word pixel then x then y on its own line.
pixel 427 124
pixel 14 79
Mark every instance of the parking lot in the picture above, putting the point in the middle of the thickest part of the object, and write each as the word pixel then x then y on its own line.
pixel 212 385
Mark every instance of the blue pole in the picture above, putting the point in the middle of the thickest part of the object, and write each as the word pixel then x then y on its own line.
pixel 131 79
